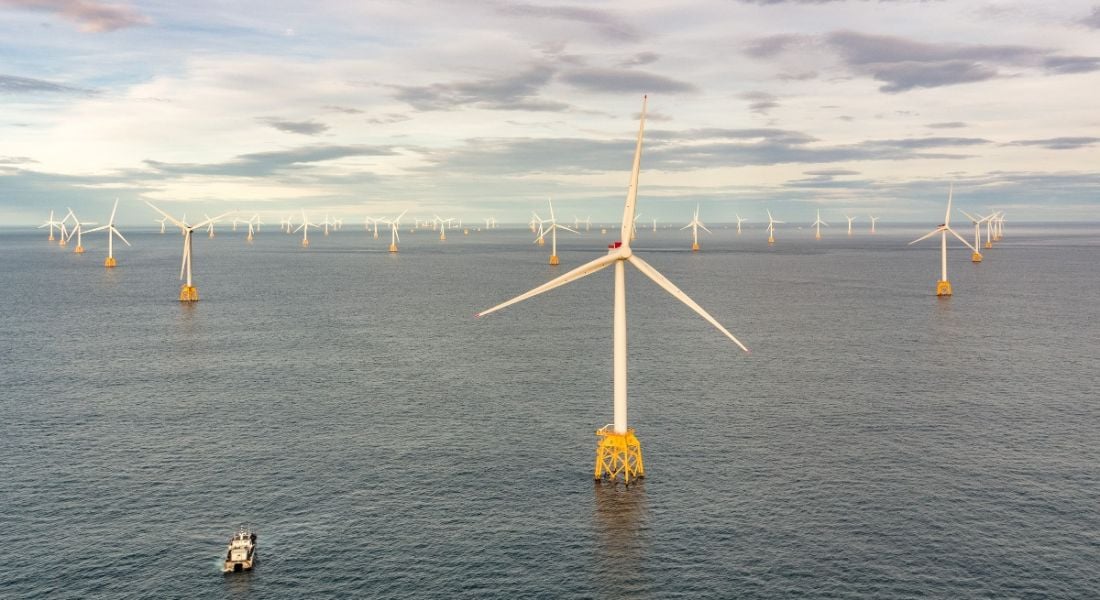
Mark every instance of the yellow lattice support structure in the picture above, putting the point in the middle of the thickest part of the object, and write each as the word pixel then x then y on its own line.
pixel 189 293
pixel 78 250
pixel 695 246
pixel 393 247
pixel 988 245
pixel 554 260
pixel 110 262
pixel 943 288
pixel 619 456
pixel 976 257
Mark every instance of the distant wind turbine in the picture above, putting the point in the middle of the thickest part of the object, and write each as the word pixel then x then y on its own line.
pixel 695 224
pixel 943 286
pixel 188 292
pixel 112 231
pixel 817 225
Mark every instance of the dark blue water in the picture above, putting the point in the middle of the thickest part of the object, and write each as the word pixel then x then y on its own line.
pixel 878 442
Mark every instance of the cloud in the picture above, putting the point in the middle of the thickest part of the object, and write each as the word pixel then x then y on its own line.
pixel 260 164
pixel 639 59
pixel 510 92
pixel 10 84
pixel 299 127
pixel 16 160
pixel 1092 20
pixel 611 26
pixel 91 15
pixel 1071 64
pixel 903 64
pixel 760 102
pixel 342 109
pixel 1059 143
pixel 618 81
pixel 946 125
pixel 388 118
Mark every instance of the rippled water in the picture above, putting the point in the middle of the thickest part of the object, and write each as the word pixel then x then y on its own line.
pixel 877 443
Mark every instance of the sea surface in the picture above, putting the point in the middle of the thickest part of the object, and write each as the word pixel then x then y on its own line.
pixel 878 442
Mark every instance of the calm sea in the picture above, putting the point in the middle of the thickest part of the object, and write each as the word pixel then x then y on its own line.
pixel 877 443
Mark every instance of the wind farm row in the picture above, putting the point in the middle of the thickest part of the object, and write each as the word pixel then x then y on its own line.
pixel 618 453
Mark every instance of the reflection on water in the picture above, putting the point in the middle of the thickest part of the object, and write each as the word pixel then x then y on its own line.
pixel 238 584
pixel 621 545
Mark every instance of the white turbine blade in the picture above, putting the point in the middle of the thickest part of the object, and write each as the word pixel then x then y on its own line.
pixel 961 239
pixel 947 215
pixel 926 236
pixel 299 228
pixel 686 226
pixel 632 193
pixel 183 261
pixel 100 228
pixel 671 288
pixel 704 228
pixel 581 271
pixel 970 216
pixel 119 234
pixel 208 221
pixel 111 221
pixel 166 215
pixel 567 229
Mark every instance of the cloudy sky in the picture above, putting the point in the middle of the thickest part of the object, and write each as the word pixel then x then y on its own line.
pixel 472 108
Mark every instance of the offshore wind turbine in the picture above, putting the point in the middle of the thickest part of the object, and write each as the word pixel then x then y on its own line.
pixel 162 222
pixel 618 452
pixel 553 231
pixel 77 230
pixel 304 228
pixel 977 221
pixel 771 227
pixel 850 219
pixel 873 221
pixel 739 222
pixel 64 237
pixel 51 223
pixel 442 227
pixel 209 226
pixel 695 224
pixel 112 231
pixel 817 225
pixel 943 286
pixel 253 226
pixel 394 226
pixel 188 292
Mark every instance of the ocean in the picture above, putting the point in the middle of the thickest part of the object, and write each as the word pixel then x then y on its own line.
pixel 878 442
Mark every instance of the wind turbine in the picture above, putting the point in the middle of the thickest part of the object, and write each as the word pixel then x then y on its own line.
pixel 817 224
pixel 394 226
pixel 873 221
pixel 64 237
pixel 162 222
pixel 188 292
pixel 209 226
pixel 634 228
pixel 253 226
pixel 51 223
pixel 695 224
pixel 977 221
pixel 771 227
pixel 739 222
pixel 588 223
pixel 112 231
pixel 654 225
pixel 850 219
pixel 327 223
pixel 943 286
pixel 553 231
pixel 284 224
pixel 442 227
pixel 989 225
pixel 618 452
pixel 540 233
pixel 304 227
pixel 77 230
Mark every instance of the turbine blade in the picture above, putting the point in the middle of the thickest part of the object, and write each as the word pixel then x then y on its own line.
pixel 676 292
pixel 113 211
pixel 926 236
pixel 581 271
pixel 183 261
pixel 961 239
pixel 119 234
pixel 100 228
pixel 166 215
pixel 704 227
pixel 632 193
pixel 567 229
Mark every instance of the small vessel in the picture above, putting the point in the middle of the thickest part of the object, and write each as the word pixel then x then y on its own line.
pixel 241 554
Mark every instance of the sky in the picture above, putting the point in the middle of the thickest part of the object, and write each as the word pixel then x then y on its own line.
pixel 472 109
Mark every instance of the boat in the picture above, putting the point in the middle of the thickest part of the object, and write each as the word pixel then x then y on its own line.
pixel 241 554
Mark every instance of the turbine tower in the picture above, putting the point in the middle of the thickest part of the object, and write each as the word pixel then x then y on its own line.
pixel 78 230
pixel 817 225
pixel 850 219
pixel 112 231
pixel 553 231
pixel 771 227
pixel 873 221
pixel 209 226
pixel 443 227
pixel 188 292
pixel 618 452
pixel 943 286
pixel 739 222
pixel 695 224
